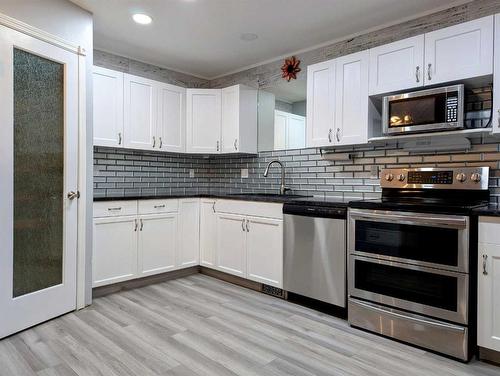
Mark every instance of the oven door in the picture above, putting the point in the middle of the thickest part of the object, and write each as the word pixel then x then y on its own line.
pixel 430 240
pixel 428 291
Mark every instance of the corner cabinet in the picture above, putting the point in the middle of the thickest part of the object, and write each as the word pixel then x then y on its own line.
pixel 208 232
pixel 189 231
pixel 107 107
pixel 203 120
pixel 496 78
pixel 488 305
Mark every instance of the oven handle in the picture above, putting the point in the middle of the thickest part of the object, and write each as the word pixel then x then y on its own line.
pixel 376 308
pixel 448 222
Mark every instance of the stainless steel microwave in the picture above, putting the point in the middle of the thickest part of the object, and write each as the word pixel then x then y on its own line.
pixel 438 109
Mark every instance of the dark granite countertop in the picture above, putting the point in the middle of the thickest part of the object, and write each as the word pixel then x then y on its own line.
pixel 491 210
pixel 300 200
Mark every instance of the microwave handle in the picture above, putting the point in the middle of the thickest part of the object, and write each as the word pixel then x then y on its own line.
pixel 424 220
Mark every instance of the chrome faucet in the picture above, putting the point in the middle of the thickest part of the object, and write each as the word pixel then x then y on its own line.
pixel 283 189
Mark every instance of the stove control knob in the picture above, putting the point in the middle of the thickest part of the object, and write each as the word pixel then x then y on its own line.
pixel 476 178
pixel 401 177
pixel 461 177
pixel 389 177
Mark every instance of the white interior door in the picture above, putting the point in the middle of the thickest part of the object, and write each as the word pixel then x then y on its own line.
pixel 38 167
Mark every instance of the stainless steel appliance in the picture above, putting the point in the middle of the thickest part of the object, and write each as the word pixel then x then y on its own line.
pixel 430 110
pixel 314 252
pixel 412 258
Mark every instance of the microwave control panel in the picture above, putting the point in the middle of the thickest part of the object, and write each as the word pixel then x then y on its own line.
pixel 451 109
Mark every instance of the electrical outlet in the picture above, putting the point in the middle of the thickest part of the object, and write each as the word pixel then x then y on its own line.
pixel 191 173
pixel 244 173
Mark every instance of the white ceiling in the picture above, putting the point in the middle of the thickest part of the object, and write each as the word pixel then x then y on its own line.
pixel 202 37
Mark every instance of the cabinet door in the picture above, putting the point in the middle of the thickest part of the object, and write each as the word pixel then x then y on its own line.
pixel 351 109
pixel 203 120
pixel 189 243
pixel 231 242
pixel 265 251
pixel 496 78
pixel 108 107
pixel 280 129
pixel 114 250
pixel 459 52
pixel 208 233
pixel 157 243
pixel 397 66
pixel 488 315
pixel 230 119
pixel 140 113
pixel 171 128
pixel 320 103
pixel 296 132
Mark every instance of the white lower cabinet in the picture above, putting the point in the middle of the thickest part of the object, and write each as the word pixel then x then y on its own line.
pixel 115 250
pixel 248 245
pixel 134 239
pixel 157 243
pixel 189 232
pixel 488 305
pixel 208 232
pixel 231 244
pixel 265 250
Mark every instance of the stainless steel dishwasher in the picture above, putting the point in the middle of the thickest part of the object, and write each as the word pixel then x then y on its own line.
pixel 315 252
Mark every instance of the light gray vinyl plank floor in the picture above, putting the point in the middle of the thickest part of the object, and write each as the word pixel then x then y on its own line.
pixel 201 326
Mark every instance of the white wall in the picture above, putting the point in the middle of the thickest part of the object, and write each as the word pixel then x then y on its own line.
pixel 70 22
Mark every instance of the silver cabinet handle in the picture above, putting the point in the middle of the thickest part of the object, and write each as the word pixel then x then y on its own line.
pixel 159 206
pixel 115 209
pixel 330 135
pixel 119 138
pixel 142 224
pixel 72 195
pixel 429 67
pixel 135 224
pixel 161 142
pixel 235 144
pixel 213 207
pixel 248 228
pixel 499 118
pixel 154 141
pixel 243 225
pixel 337 134
pixel 485 258
pixel 218 146
pixel 417 73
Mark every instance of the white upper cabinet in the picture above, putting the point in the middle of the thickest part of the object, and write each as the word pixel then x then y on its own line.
pixel 239 120
pixel 459 52
pixel 351 109
pixel 203 120
pixel 171 126
pixel 397 66
pixel 496 78
pixel 108 107
pixel 289 131
pixel 320 103
pixel 140 113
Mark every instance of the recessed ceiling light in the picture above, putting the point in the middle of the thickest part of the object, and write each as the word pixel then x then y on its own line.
pixel 248 37
pixel 142 18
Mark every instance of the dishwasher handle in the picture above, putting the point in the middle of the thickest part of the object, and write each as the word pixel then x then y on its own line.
pixel 315 211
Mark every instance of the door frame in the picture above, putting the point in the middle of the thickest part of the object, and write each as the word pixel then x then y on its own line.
pixel 83 213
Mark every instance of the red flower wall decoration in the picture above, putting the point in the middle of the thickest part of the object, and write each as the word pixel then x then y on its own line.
pixel 290 68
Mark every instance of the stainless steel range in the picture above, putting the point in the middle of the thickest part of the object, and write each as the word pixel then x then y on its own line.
pixel 412 258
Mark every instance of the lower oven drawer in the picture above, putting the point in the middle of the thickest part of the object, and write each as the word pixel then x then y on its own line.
pixel 418 330
pixel 438 293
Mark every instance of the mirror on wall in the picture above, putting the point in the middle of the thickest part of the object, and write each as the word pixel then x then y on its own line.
pixel 282 115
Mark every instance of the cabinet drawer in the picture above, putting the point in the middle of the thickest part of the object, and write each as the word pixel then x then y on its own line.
pixel 489 230
pixel 250 208
pixel 115 208
pixel 158 206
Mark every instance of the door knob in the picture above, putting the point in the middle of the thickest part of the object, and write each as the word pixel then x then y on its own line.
pixel 72 195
